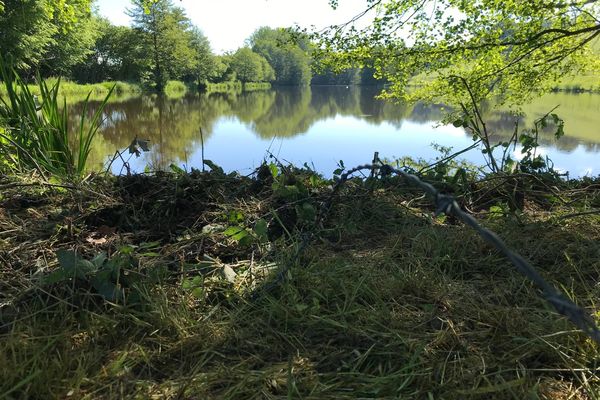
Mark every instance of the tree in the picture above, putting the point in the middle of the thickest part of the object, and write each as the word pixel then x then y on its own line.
pixel 288 55
pixel 31 29
pixel 205 66
pixel 350 76
pixel 70 47
pixel 250 66
pixel 166 36
pixel 469 48
pixel 116 55
pixel 464 52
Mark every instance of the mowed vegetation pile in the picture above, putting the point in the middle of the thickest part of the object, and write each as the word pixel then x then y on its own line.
pixel 156 287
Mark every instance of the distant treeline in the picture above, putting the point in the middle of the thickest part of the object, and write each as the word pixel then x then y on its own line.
pixel 161 45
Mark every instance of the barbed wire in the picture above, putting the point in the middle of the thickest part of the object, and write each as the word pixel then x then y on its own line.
pixel 447 204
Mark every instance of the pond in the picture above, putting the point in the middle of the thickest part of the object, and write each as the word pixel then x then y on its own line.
pixel 321 126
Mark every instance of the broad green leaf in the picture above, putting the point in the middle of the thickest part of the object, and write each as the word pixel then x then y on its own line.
pixel 261 229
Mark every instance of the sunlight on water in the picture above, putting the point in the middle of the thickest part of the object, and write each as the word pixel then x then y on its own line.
pixel 320 126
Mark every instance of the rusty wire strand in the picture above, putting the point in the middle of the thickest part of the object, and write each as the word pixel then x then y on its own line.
pixel 447 204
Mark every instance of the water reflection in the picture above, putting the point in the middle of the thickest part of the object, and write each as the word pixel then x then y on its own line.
pixel 300 121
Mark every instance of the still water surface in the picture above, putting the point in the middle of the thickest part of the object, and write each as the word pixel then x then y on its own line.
pixel 320 126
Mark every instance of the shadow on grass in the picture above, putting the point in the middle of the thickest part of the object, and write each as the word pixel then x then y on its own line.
pixel 386 302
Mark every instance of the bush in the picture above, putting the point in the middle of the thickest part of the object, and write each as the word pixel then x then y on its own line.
pixel 175 88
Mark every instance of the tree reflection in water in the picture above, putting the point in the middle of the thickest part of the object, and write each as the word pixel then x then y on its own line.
pixel 173 125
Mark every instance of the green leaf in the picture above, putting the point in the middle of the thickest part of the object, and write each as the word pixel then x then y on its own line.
pixel 127 249
pixel 176 169
pixel 56 276
pixel 195 285
pixel 103 284
pixel 306 212
pixel 235 217
pixel 315 181
pixel 261 229
pixel 232 230
pixel 274 170
pixel 67 259
pixel 72 265
pixel 214 167
pixel 237 233
pixel 99 260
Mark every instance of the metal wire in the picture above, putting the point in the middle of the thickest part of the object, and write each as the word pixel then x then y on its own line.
pixel 447 204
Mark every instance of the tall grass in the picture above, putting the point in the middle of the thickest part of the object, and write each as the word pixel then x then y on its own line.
pixel 37 135
pixel 224 87
pixel 77 90
pixel 175 89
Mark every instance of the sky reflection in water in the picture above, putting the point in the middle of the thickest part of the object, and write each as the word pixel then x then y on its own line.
pixel 322 125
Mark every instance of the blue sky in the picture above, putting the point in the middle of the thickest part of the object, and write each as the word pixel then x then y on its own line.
pixel 227 23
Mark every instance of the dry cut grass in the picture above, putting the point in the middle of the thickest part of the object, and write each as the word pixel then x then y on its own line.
pixel 385 301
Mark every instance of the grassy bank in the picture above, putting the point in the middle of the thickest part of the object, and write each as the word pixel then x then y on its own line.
pixel 236 87
pixel 252 86
pixel 384 301
pixel 175 89
pixel 75 92
pixel 100 90
pixel 583 83
pixel 224 87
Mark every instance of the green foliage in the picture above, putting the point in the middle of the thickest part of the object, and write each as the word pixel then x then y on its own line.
pixel 533 162
pixel 76 93
pixel 70 47
pixel 288 56
pixel 446 170
pixel 253 86
pixel 38 135
pixel 206 66
pixel 293 186
pixel 350 76
pixel 114 279
pixel 165 34
pixel 34 30
pixel 512 49
pixel 117 54
pixel 224 87
pixel 250 66
pixel 175 88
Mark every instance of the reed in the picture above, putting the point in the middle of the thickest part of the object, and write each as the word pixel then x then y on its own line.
pixel 36 130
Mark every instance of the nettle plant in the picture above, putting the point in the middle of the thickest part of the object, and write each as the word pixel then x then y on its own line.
pixel 291 191
pixel 115 279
